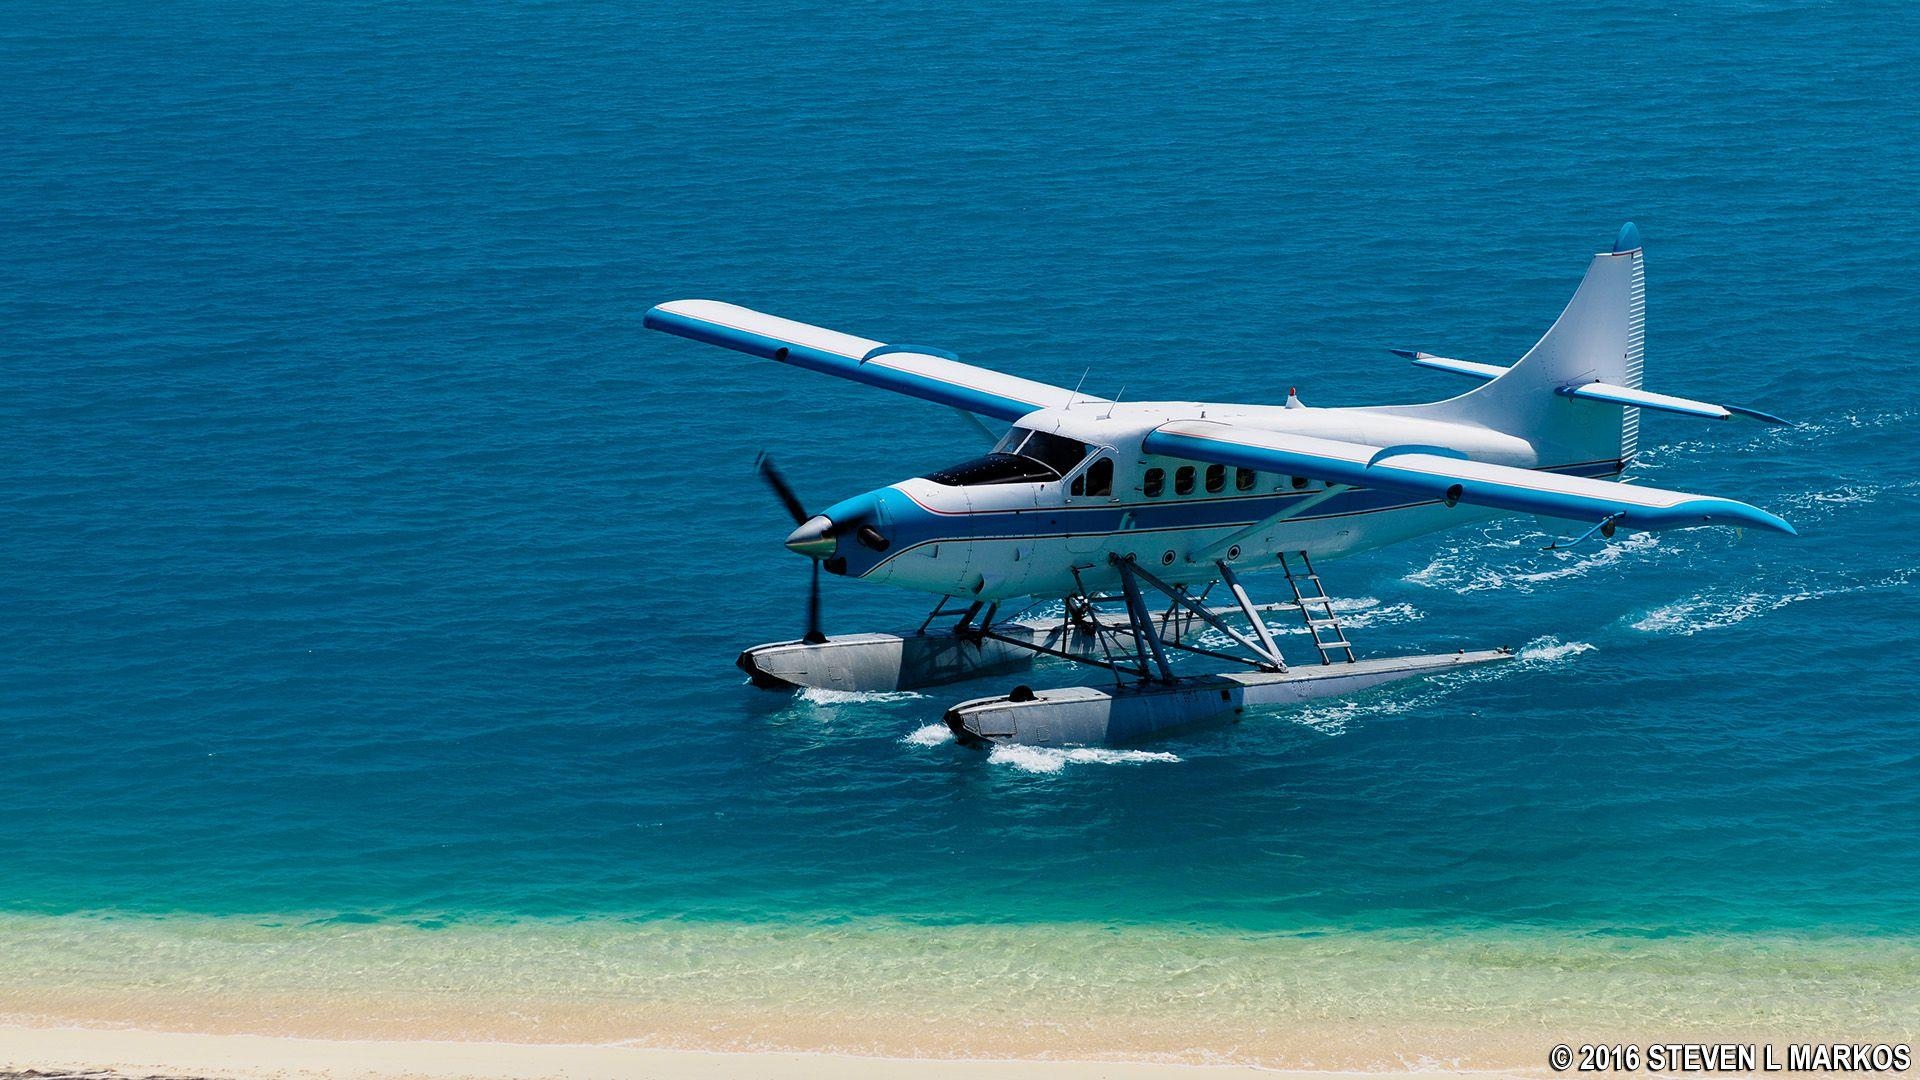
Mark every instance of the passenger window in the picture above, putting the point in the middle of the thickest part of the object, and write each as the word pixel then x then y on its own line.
pixel 1154 483
pixel 1183 480
pixel 1300 483
pixel 1244 479
pixel 1099 477
pixel 1216 479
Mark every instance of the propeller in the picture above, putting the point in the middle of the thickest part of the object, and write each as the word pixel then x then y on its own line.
pixel 765 467
pixel 798 510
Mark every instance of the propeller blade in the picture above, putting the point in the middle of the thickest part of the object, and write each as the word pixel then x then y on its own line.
pixel 764 466
pixel 814 636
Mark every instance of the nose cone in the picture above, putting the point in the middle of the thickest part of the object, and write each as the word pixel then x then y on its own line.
pixel 811 538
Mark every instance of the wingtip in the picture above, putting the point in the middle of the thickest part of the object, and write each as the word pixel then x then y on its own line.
pixel 664 313
pixel 1759 518
pixel 1627 240
pixel 1712 510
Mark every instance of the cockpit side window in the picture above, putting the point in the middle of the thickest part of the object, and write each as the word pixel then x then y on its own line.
pixel 1099 477
pixel 1096 480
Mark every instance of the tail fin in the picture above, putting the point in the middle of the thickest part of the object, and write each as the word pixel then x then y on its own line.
pixel 1598 337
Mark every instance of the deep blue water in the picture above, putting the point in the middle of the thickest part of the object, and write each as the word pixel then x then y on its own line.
pixel 361 555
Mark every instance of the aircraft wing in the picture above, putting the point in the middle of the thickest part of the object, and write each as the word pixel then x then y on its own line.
pixel 1447 476
pixel 914 370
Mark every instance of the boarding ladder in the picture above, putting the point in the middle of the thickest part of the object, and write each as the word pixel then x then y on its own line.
pixel 1323 621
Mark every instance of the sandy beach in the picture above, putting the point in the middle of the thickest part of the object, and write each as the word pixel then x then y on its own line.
pixel 71 987
pixel 618 998
pixel 218 1057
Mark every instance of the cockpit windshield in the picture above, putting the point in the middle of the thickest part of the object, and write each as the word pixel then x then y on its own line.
pixel 1021 457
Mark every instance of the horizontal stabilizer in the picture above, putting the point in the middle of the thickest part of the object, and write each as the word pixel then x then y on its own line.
pixel 1447 363
pixel 1418 471
pixel 1756 414
pixel 1597 391
pixel 931 375
pixel 1643 399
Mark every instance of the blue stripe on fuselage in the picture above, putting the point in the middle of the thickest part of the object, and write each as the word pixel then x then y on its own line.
pixel 911 525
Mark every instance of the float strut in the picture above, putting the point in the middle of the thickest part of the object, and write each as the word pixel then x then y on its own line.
pixel 1253 616
pixel 1269 658
pixel 934 614
pixel 1143 622
pixel 961 626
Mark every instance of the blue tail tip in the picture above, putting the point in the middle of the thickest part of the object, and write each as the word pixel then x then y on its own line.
pixel 1628 240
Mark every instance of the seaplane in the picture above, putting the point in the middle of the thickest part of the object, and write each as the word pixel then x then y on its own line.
pixel 1049 544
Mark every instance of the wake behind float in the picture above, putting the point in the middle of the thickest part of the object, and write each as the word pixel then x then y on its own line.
pixel 1094 503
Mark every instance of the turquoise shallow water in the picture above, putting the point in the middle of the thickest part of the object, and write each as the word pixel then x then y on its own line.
pixel 365 561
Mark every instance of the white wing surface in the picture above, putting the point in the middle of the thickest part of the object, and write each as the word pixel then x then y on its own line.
pixel 917 371
pixel 1446 477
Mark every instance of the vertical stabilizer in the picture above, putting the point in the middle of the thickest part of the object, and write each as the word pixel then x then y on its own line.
pixel 1600 336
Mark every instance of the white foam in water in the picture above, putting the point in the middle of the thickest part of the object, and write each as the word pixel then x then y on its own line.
pixel 1331 717
pixel 1450 571
pixel 1604 556
pixel 1459 569
pixel 1377 614
pixel 1806 429
pixel 1549 649
pixel 1698 613
pixel 1049 759
pixel 931 735
pixel 1841 496
pixel 1821 505
pixel 816 696
pixel 1353 611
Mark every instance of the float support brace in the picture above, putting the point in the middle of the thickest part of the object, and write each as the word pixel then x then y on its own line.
pixel 1269 656
pixel 1253 616
pixel 1143 621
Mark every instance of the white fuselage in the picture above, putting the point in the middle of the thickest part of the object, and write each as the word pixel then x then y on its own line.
pixel 1052 535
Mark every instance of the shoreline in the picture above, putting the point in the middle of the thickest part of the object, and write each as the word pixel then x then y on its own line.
pixel 1355 1002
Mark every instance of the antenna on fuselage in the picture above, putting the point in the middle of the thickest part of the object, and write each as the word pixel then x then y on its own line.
pixel 1077 386
pixel 1115 401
